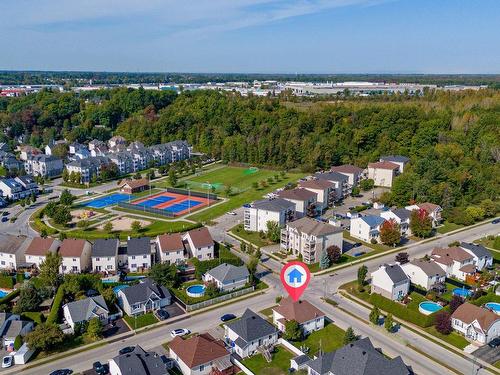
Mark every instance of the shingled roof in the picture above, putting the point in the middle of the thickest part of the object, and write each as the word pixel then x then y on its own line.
pixel 383 165
pixel 251 327
pixel 72 247
pixel 300 311
pixel 201 237
pixel 228 272
pixel 297 194
pixel 170 242
pixel 467 313
pixel 41 246
pixel 198 350
pixel 314 227
pixel 141 362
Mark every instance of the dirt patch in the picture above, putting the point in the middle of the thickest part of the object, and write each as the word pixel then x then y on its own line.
pixel 125 223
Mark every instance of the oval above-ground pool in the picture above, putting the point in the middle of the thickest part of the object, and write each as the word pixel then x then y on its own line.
pixel 462 292
pixel 429 307
pixel 195 291
pixel 493 306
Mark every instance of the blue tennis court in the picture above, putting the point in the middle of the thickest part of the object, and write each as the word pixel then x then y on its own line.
pixel 108 200
pixel 151 202
pixel 182 206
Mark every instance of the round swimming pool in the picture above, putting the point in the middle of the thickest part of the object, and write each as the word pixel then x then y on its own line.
pixel 462 292
pixel 429 307
pixel 195 291
pixel 493 306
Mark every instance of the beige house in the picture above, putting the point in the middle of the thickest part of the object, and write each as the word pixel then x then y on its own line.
pixel 383 173
pixel 39 248
pixel 476 323
pixel 354 174
pixel 170 248
pixel 309 317
pixel 305 200
pixel 75 255
pixel 325 191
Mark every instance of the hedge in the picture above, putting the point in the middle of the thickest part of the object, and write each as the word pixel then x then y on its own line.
pixel 19 277
pixel 490 297
pixel 6 281
pixel 9 297
pixel 225 256
pixel 56 305
pixel 34 316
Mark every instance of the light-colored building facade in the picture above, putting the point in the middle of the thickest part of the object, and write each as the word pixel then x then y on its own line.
pixel 227 277
pixel 353 173
pixel 105 255
pixel 383 173
pixel 257 214
pixel 482 256
pixel 75 254
pixel 325 191
pixel 476 323
pixel 305 201
pixel 366 228
pixel 201 244
pixel 455 261
pixel 424 273
pixel 390 281
pixel 308 316
pixel 38 249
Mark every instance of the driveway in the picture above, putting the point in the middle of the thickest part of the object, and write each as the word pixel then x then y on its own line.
pixel 487 354
pixel 174 310
pixel 119 327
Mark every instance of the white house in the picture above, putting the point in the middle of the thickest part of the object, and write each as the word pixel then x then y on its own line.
pixel 401 161
pixel 476 323
pixel 424 273
pixel 139 254
pixel 341 182
pixel 482 257
pixel 305 201
pixel 39 248
pixel 353 173
pixel 455 261
pixel 383 173
pixel 310 237
pixel 257 214
pixel 83 310
pixel 14 328
pixel 12 250
pixel 75 255
pixel 433 211
pixel 143 297
pixel 366 227
pixel 227 277
pixel 390 281
pixel 170 248
pixel 201 244
pixel 105 255
pixel 249 334
pixel 401 216
pixel 308 316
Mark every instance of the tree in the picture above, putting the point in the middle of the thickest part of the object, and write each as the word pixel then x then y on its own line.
pixel 108 227
pixel 165 274
pixel 94 329
pixel 455 303
pixel 402 258
pixel 62 236
pixel 420 223
pixel 65 175
pixel 390 234
pixel 258 253
pixel 273 231
pixel 334 254
pixel 362 272
pixel 228 190
pixel 324 260
pixel 367 184
pixel 18 342
pixel 50 209
pixel 62 215
pixel 109 296
pixel 84 224
pixel 137 176
pixel 489 207
pixel 255 185
pixel 252 267
pixel 292 331
pixel 44 337
pixel 477 213
pixel 389 322
pixel 172 177
pixel 49 270
pixel 349 336
pixel 355 191
pixel 374 315
pixel 211 289
pixel 43 233
pixel 66 198
pixel 136 226
pixel 29 299
pixel 443 322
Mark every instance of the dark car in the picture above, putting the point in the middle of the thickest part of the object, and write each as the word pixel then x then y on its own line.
pixel 126 350
pixel 5 213
pixel 227 317
pixel 100 369
pixel 4 219
pixel 65 371
pixel 496 221
pixel 162 314
pixel 495 343
pixel 357 244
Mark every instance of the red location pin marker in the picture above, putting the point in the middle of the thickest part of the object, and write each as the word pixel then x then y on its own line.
pixel 295 277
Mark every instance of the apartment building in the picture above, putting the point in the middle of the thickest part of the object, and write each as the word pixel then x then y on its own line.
pixel 257 214
pixel 341 182
pixel 89 167
pixel 324 190
pixel 354 174
pixel 305 201
pixel 383 173
pixel 46 166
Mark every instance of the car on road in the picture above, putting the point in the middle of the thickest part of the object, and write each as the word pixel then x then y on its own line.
pixel 126 350
pixel 227 317
pixel 100 369
pixel 496 221
pixel 232 213
pixel 65 371
pixel 4 219
pixel 162 314
pixel 495 343
pixel 180 332
pixel 5 213
pixel 7 361
pixel 357 244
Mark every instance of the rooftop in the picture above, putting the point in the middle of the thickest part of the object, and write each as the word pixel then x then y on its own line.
pixel 314 227
pixel 383 165
pixel 347 168
pixel 141 362
pixel 72 247
pixel 139 246
pixel 429 267
pixel 198 350
pixel 228 272
pixel 275 205
pixel 171 242
pixel 105 247
pixel 316 184
pixel 251 327
pixel 201 237
pixel 467 313
pixel 395 158
pixel 300 311
pixel 41 246
pixel 297 194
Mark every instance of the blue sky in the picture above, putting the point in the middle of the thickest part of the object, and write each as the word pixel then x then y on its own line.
pixel 261 36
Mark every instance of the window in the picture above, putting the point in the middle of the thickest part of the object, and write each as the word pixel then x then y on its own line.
pixel 133 265
pixel 144 256
pixel 74 259
pixel 109 258
pixel 133 256
pixel 97 259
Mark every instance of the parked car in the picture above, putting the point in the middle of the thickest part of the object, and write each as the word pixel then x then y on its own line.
pixel 100 369
pixel 180 332
pixel 126 350
pixel 65 371
pixel 5 213
pixel 7 361
pixel 496 221
pixel 227 317
pixel 4 219
pixel 357 244
pixel 162 314
pixel 495 343
pixel 232 213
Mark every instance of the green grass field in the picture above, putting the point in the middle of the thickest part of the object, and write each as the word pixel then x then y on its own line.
pixel 278 366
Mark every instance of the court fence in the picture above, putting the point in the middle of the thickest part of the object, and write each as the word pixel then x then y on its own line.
pixel 192 193
pixel 151 210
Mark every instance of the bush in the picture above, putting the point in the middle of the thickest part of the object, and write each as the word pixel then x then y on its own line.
pixel 19 277
pixel 373 241
pixel 9 297
pixel 18 342
pixel 6 281
pixel 56 306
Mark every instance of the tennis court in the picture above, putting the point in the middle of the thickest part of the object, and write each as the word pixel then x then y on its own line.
pixel 108 200
pixel 155 201
pixel 176 203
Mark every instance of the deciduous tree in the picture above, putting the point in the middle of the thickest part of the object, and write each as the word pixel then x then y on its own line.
pixel 390 234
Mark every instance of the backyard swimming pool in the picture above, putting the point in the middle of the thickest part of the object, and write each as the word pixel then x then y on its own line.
pixel 195 291
pixel 3 293
pixel 462 292
pixel 494 306
pixel 429 307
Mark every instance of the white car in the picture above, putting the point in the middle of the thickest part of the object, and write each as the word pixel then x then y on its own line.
pixel 180 332
pixel 232 213
pixel 6 361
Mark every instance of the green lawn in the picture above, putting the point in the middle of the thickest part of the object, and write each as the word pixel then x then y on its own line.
pixel 278 366
pixel 269 311
pixel 487 242
pixel 141 320
pixel 453 338
pixel 448 227
pixel 252 237
pixel 377 248
pixel 331 338
pixel 497 364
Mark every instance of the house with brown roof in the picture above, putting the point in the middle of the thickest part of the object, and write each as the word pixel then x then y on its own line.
pixel 383 173
pixel 433 211
pixel 354 174
pixel 170 248
pixel 39 248
pixel 305 201
pixel 476 323
pixel 309 317
pixel 134 186
pixel 75 255
pixel 325 191
pixel 455 261
pixel 201 243
pixel 201 355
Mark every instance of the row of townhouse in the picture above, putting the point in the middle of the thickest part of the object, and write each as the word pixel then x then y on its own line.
pixel 10 162
pixel 105 255
pixel 18 187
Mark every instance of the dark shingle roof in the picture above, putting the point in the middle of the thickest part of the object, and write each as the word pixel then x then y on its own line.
pixel 251 326
pixel 395 158
pixel 139 246
pixel 142 291
pixel 105 247
pixel 477 250
pixel 85 309
pixel 332 176
pixel 395 272
pixel 277 204
pixel 402 213
pixel 227 272
pixel 140 362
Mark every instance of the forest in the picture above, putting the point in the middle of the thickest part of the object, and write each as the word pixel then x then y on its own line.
pixel 452 138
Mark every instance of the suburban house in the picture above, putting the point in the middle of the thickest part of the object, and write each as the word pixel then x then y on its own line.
pixel 227 277
pixel 433 211
pixel 201 355
pixel 257 214
pixel 105 255
pixel 390 281
pixel 75 255
pixel 5 318
pixel 139 254
pixel 13 189
pixel 12 329
pixel 476 323
pixel 383 173
pixel 85 309
pixel 366 228
pixel 143 297
pixel 360 355
pixel 305 201
pixel 250 333
pixel 353 173
pixel 12 250
pixel 39 248
pixel 201 244
pixel 455 261
pixel 134 186
pixel 138 362
pixel 401 161
pixel 341 182
pixel 170 248
pixel 116 140
pixel 400 216
pixel 325 191
pixel 425 273
pixel 482 256
pixel 47 166
pixel 309 317
pixel 310 237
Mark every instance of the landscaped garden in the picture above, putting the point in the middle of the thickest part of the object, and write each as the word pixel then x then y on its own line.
pixel 327 339
pixel 278 366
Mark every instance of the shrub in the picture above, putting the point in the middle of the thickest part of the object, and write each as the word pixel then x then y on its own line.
pixel 373 241
pixel 6 281
pixel 18 342
pixel 401 311
pixel 9 297
pixel 443 322
pixel 56 305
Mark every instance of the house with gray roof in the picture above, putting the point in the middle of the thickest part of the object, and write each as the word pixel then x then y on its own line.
pixel 105 255
pixel 227 277
pixel 89 167
pixel 249 334
pixel 390 281
pixel 139 362
pixel 12 250
pixel 306 201
pixel 366 228
pixel 257 214
pixel 85 309
pixel 14 328
pixel 357 358
pixel 47 166
pixel 143 297
pixel 139 254
pixel 482 256
pixel 401 216
pixel 6 317
pixel 341 182
pixel 425 273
